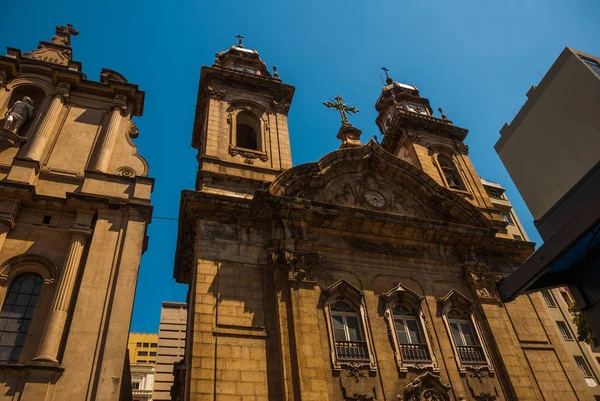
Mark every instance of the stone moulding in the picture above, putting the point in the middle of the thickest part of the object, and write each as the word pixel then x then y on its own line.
pixel 43 266
pixel 10 137
pixel 426 387
pixel 248 154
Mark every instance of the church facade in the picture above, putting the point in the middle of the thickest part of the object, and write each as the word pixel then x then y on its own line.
pixel 367 275
pixel 74 208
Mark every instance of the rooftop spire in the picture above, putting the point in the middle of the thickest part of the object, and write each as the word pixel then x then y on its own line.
pixel 63 35
pixel 239 38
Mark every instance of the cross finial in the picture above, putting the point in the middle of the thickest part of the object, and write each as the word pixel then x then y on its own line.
pixel 342 108
pixel 239 38
pixel 63 34
pixel 388 80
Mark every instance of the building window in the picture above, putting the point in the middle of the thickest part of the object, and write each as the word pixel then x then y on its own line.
pixel 410 335
pixel 585 371
pixel 247 129
pixel 146 345
pixel 138 344
pixel 567 298
pixel 142 353
pixel 564 331
pixel 350 344
pixel 450 172
pixel 345 314
pixel 548 298
pixel 16 314
pixel 152 353
pixel 506 217
pixel 517 237
pixel 153 345
pixel 142 361
pixel 135 385
pixel 465 339
pixel 592 63
pixel 496 194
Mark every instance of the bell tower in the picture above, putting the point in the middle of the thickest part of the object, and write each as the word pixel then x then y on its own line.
pixel 433 144
pixel 240 127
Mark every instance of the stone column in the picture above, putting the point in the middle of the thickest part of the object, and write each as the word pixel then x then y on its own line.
pixel 108 142
pixel 55 325
pixel 40 139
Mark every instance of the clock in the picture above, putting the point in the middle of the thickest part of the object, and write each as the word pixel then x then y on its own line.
pixel 374 198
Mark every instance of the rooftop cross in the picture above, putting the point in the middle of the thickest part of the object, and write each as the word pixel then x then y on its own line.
pixel 63 34
pixel 388 80
pixel 239 38
pixel 342 108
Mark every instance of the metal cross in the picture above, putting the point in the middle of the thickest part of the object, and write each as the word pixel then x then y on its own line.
pixel 386 71
pixel 239 38
pixel 342 108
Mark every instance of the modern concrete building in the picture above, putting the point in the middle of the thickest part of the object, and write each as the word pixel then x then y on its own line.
pixel 142 347
pixel 74 209
pixel 552 151
pixel 366 275
pixel 171 347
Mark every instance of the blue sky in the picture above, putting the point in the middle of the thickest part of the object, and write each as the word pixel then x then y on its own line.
pixel 475 59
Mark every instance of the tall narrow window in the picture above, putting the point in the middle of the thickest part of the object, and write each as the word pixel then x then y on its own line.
pixel 564 330
pixel 350 344
pixel 413 346
pixel 567 298
pixel 548 298
pixel 16 314
pixel 247 129
pixel 450 172
pixel 465 338
pixel 585 371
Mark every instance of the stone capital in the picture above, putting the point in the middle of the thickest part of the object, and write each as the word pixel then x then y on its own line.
pixel 297 265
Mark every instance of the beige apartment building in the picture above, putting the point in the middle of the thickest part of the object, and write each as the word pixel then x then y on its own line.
pixel 497 195
pixel 171 348
pixel 74 208
pixel 551 149
pixel 369 274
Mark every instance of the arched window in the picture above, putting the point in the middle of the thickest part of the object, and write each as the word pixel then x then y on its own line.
pixel 450 172
pixel 16 314
pixel 247 128
pixel 465 337
pixel 409 333
pixel 348 333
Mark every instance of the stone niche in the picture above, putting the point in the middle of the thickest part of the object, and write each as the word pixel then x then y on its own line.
pixel 35 93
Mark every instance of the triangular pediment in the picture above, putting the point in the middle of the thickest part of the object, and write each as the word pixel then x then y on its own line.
pixel 50 55
pixel 368 177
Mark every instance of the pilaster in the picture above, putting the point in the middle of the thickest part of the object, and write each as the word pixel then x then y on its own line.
pixel 108 142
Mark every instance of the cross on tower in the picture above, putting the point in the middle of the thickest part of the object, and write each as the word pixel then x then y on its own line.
pixel 342 108
pixel 239 38
pixel 63 34
pixel 388 80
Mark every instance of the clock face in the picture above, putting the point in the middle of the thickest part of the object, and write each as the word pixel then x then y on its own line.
pixel 374 198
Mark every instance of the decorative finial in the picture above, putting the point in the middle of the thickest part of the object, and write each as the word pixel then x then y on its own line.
pixel 342 108
pixel 388 80
pixel 275 73
pixel 442 113
pixel 63 35
pixel 239 38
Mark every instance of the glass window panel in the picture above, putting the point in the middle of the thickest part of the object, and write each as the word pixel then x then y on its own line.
pixel 14 354
pixel 5 353
pixel 353 328
pixel 10 299
pixel 456 334
pixel 413 329
pixel 22 299
pixel 401 331
pixel 27 286
pixel 29 313
pixel 8 339
pixel 468 334
pixel 13 325
pixel 20 341
pixel 33 301
pixel 339 332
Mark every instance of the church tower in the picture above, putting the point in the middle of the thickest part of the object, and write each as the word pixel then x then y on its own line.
pixel 434 145
pixel 74 208
pixel 240 127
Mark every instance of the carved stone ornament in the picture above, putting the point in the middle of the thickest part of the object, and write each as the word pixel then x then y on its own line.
pixel 248 154
pixel 482 280
pixel 280 107
pixel 350 136
pixel 298 265
pixel 126 171
pixel 427 387
pixel 414 138
pixel 134 132
pixel 354 370
pixel 359 397
pixel 216 93
pixel 480 385
pixel 461 148
pixel 3 80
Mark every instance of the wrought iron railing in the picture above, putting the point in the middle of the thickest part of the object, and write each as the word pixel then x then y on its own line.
pixel 352 350
pixel 471 354
pixel 415 352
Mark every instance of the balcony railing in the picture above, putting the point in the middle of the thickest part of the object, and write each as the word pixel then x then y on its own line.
pixel 471 354
pixel 352 350
pixel 142 393
pixel 415 353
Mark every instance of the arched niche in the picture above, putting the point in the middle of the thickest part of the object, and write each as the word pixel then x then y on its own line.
pixel 35 93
